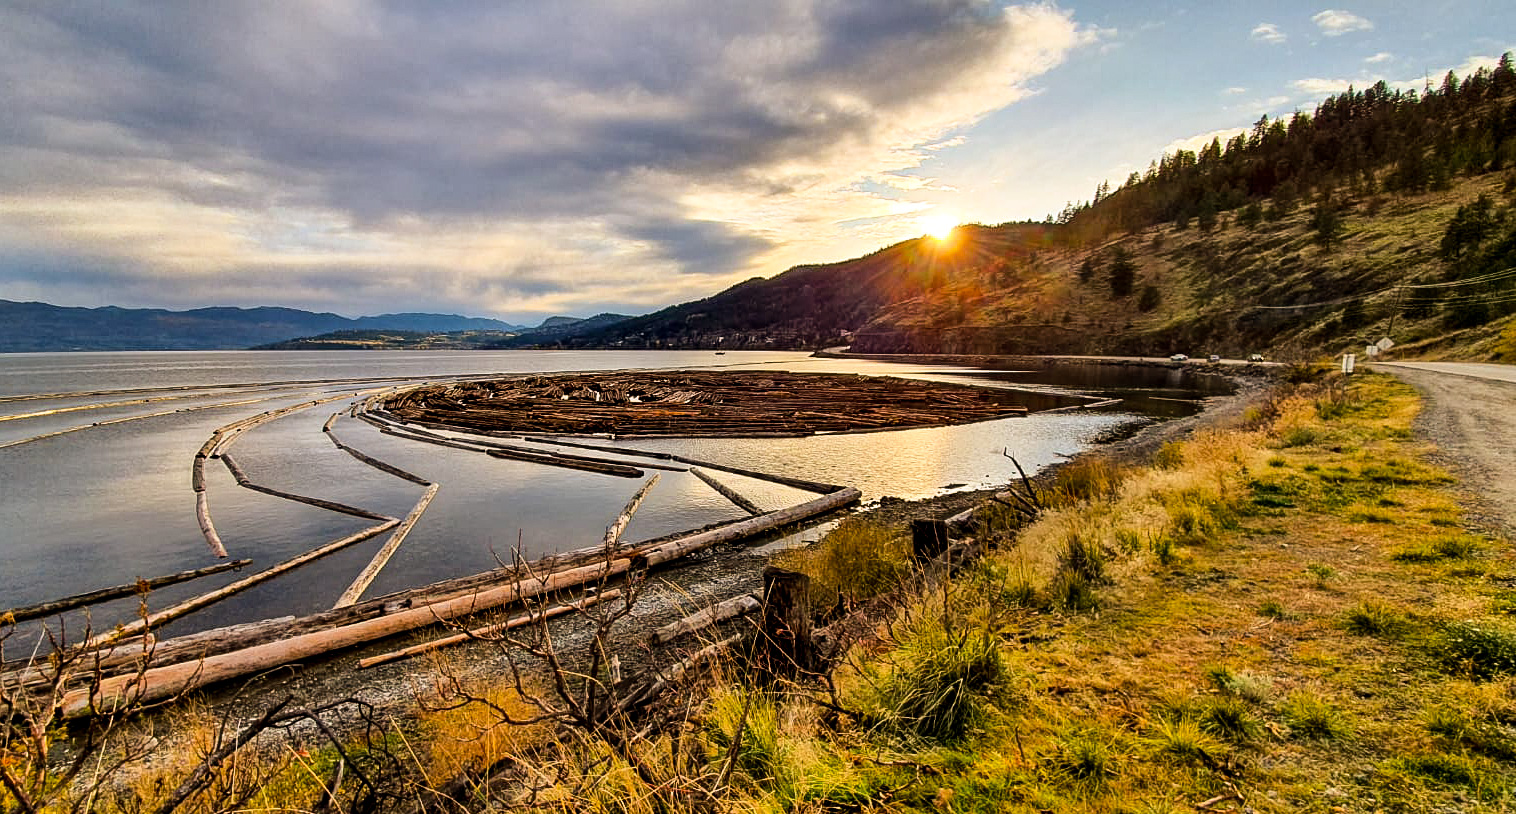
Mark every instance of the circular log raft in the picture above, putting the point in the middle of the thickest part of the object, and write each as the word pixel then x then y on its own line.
pixel 699 403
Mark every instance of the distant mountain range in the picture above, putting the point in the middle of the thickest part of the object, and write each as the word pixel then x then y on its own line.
pixel 552 331
pixel 37 326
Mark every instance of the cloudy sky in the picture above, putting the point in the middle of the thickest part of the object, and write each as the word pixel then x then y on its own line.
pixel 522 159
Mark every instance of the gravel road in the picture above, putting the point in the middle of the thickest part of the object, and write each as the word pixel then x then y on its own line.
pixel 1471 416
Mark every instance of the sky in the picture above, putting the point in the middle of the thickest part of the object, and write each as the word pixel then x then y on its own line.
pixel 520 160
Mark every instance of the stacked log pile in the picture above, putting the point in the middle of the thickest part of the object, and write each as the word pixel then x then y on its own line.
pixel 699 403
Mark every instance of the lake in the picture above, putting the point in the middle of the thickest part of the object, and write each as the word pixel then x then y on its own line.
pixel 96 452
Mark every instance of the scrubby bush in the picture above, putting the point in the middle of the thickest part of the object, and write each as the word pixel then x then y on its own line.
pixel 1479 649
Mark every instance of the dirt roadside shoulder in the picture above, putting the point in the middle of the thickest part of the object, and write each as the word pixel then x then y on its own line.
pixel 1473 423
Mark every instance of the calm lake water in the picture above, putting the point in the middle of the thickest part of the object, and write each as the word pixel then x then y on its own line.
pixel 108 499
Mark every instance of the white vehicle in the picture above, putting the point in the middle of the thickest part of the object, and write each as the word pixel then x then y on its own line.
pixel 1215 358
pixel 1255 357
pixel 1179 357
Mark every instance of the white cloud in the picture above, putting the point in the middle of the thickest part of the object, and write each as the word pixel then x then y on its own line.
pixel 1269 33
pixel 1233 91
pixel 1198 142
pixel 1335 22
pixel 513 158
pixel 1317 86
pixel 1379 58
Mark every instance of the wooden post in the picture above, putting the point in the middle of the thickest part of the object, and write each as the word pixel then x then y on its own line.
pixel 928 538
pixel 786 645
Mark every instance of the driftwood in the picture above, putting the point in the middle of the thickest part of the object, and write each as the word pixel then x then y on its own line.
pixel 382 556
pixel 634 693
pixel 191 605
pixel 719 612
pixel 618 526
pixel 116 592
pixel 1087 406
pixel 619 470
pixel 159 683
pixel 727 492
pixel 675 549
pixel 514 622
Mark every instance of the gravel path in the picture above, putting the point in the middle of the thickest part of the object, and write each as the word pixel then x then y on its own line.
pixel 1471 416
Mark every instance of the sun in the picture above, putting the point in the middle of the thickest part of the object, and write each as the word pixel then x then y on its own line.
pixel 939 225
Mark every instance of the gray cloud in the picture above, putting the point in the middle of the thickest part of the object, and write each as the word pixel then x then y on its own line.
pixel 471 113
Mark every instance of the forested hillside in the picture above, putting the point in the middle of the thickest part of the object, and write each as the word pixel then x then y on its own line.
pixel 1383 212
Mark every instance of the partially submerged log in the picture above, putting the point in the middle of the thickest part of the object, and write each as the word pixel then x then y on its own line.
pixel 207 528
pixel 330 505
pixel 674 549
pixel 141 586
pixel 715 614
pixel 618 526
pixel 382 556
pixel 727 492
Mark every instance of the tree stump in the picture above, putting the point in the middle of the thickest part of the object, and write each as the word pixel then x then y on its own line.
pixel 786 651
pixel 929 538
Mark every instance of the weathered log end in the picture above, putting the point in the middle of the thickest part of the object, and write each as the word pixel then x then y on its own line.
pixel 785 651
pixel 929 538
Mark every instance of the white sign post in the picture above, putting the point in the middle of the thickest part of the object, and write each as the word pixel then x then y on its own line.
pixel 1347 363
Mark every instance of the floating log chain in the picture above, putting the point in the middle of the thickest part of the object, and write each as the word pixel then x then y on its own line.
pixel 699 403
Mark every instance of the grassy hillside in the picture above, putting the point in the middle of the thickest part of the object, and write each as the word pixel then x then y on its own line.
pixel 1385 213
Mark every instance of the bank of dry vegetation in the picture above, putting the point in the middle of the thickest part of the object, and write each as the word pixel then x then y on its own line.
pixel 1288 615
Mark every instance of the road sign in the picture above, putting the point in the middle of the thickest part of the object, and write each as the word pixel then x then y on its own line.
pixel 1371 351
pixel 1385 343
pixel 1347 362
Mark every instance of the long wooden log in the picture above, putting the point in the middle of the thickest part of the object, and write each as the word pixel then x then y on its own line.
pixel 719 612
pixel 804 485
pixel 160 683
pixel 619 470
pixel 378 464
pixel 382 556
pixel 115 592
pixel 674 549
pixel 208 529
pixel 330 505
pixel 617 527
pixel 191 605
pixel 514 622
pixel 727 492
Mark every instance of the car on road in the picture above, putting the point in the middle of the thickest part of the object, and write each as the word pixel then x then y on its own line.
pixel 1179 357
pixel 1215 358
pixel 1255 357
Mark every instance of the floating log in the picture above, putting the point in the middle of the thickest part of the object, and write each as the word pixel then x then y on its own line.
pixel 1087 406
pixel 382 556
pixel 674 549
pixel 378 464
pixel 719 612
pixel 203 515
pixel 786 651
pixel 727 492
pixel 619 470
pixel 804 485
pixel 191 605
pixel 514 622
pixel 123 420
pixel 157 684
pixel 617 527
pixel 330 505
pixel 116 592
